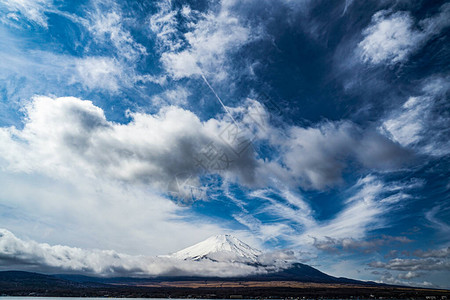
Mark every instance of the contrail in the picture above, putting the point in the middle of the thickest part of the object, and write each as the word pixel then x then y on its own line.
pixel 220 100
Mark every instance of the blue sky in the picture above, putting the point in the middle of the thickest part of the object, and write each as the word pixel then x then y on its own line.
pixel 315 126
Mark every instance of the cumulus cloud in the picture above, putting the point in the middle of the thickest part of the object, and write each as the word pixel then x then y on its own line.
pixel 429 262
pixel 317 156
pixel 392 37
pixel 30 255
pixel 435 253
pixel 66 135
pixel 366 246
pixel 403 279
pixel 409 275
pixel 401 264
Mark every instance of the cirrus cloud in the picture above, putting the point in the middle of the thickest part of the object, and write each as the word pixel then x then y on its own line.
pixel 392 37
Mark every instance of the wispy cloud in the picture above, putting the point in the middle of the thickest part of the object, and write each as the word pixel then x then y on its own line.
pixel 367 208
pixel 106 23
pixel 393 36
pixel 442 226
pixel 177 96
pixel 33 11
pixel 419 123
pixel 99 72
pixel 204 46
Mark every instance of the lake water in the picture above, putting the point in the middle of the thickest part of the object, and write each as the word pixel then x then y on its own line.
pixel 90 298
pixel 99 298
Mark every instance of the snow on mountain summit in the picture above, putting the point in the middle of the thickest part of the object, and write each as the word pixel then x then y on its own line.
pixel 219 248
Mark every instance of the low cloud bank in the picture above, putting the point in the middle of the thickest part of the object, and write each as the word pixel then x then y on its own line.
pixel 30 255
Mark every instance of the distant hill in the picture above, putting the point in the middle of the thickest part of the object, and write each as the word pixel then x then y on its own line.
pixel 10 279
pixel 24 283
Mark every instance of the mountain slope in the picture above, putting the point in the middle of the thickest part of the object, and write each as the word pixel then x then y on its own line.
pixel 303 273
pixel 219 248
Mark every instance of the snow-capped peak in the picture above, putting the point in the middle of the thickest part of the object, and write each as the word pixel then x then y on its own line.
pixel 219 248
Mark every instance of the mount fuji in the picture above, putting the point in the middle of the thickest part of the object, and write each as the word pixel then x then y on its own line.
pixel 229 249
pixel 220 248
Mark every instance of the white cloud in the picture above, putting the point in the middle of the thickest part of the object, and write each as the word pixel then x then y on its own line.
pixel 177 96
pixel 182 64
pixel 419 123
pixel 436 222
pixel 409 275
pixel 32 10
pixel 388 278
pixel 436 253
pixel 204 46
pixel 364 211
pixel 266 232
pixel 405 129
pixel 315 157
pixel 99 72
pixel 163 24
pixel 392 37
pixel 105 22
pixel 297 210
pixel 349 244
pixel 425 264
pixel 431 265
pixel 66 135
pixel 110 74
